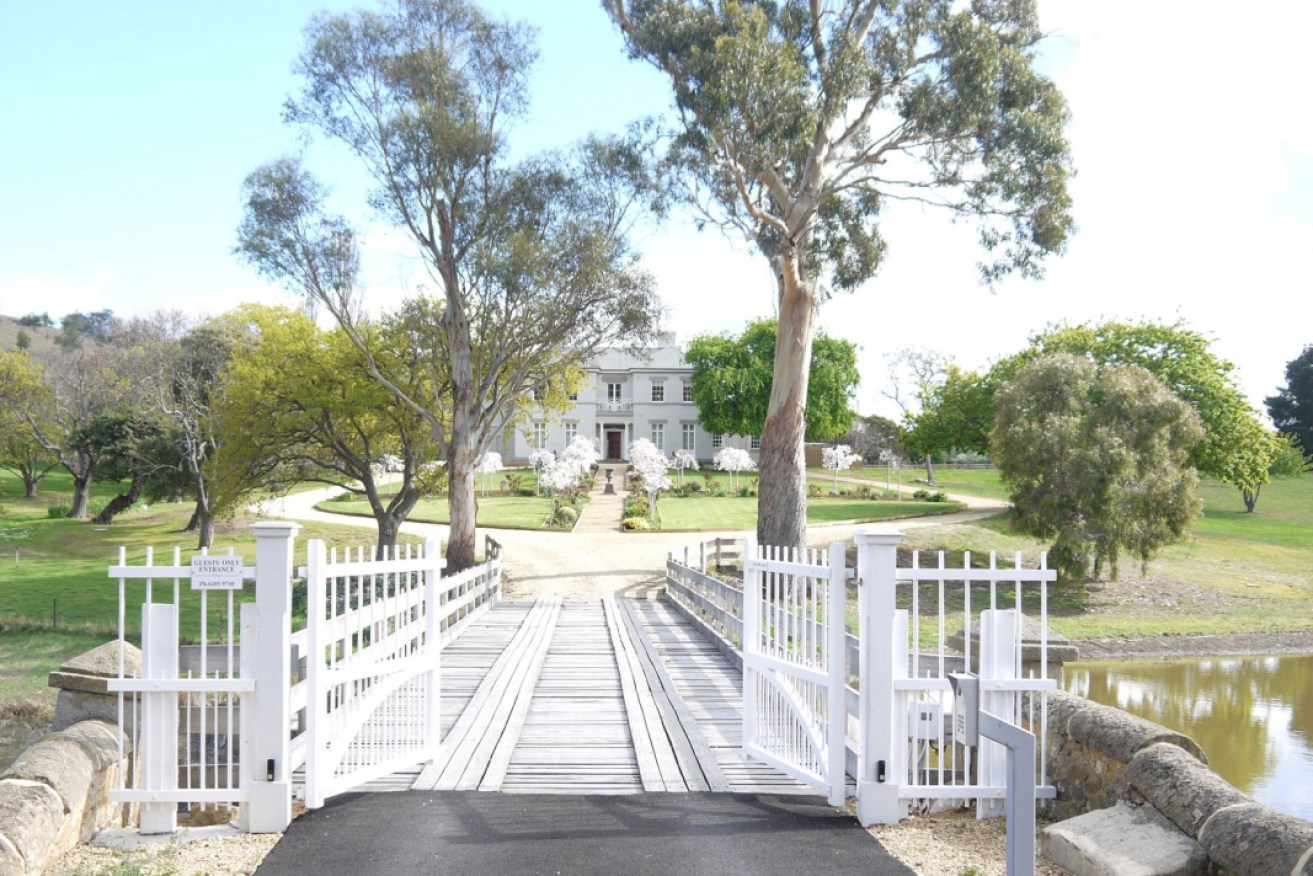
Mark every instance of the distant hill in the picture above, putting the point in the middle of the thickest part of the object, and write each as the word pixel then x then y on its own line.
pixel 43 338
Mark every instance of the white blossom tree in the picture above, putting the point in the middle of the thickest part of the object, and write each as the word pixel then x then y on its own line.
pixel 489 464
pixel 892 462
pixel 684 459
pixel 540 461
pixel 734 460
pixel 838 458
pixel 652 465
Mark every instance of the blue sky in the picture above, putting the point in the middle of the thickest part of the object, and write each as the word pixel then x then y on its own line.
pixel 130 125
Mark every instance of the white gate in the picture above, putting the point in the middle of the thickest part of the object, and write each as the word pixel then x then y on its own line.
pixel 794 715
pixel 374 631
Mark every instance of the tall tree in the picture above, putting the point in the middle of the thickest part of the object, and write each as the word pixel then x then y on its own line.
pixel 1236 448
pixel 128 446
pixel 801 120
pixel 1291 409
pixel 74 389
pixel 1096 459
pixel 732 380
pixel 21 394
pixel 956 413
pixel 305 396
pixel 530 259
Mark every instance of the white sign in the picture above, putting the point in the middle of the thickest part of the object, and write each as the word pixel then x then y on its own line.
pixel 222 572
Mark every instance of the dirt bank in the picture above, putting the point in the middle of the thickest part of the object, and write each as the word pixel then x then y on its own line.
pixel 1197 646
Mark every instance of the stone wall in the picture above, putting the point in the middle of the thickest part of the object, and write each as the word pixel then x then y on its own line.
pixel 56 795
pixel 1100 756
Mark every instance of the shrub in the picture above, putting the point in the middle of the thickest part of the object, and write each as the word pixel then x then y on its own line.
pixel 710 481
pixel 631 524
pixel 58 512
pixel 344 496
pixel 637 506
pixel 863 492
pixel 936 497
pixel 746 492
pixel 566 516
pixel 718 492
pixel 922 495
pixel 683 491
pixel 695 487
pixel 514 483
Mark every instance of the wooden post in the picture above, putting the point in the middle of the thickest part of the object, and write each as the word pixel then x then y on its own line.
pixel 877 780
pixel 265 757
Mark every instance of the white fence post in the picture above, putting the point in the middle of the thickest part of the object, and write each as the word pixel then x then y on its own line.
pixel 751 634
pixel 881 726
pixel 432 638
pixel 316 711
pixel 997 653
pixel 159 715
pixel 836 629
pixel 265 757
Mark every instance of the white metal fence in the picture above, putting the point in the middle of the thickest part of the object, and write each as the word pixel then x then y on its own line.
pixel 352 694
pixel 901 743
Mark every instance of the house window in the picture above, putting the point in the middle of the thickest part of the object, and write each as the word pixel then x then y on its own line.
pixel 755 443
pixel 659 435
pixel 658 392
pixel 537 393
pixel 688 392
pixel 717 441
pixel 613 392
pixel 571 432
pixel 689 436
pixel 574 396
pixel 539 436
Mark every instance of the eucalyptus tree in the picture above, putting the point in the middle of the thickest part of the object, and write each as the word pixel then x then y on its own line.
pixel 802 120
pixel 21 393
pixel 529 258
pixel 303 398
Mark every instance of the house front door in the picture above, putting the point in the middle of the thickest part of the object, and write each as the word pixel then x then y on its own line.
pixel 613 445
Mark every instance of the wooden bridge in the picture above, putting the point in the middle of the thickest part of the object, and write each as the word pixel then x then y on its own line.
pixel 612 696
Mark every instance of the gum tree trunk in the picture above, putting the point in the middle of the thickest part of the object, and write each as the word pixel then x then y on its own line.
pixel 782 503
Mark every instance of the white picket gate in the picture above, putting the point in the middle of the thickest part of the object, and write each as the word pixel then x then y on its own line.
pixel 225 721
pixel 793 663
pixel 374 631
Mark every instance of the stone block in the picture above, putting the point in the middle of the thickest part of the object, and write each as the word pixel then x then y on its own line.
pixel 1259 841
pixel 100 741
pixel 31 819
pixel 83 683
pixel 1179 786
pixel 1120 735
pixel 1122 840
pixel 59 763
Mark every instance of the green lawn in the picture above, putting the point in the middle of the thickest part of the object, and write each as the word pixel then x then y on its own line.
pixel 1234 573
pixel 708 512
pixel 55 571
pixel 507 512
pixel 983 482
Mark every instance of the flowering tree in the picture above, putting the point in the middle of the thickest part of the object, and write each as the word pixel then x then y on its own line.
pixel 540 461
pixel 651 465
pixel 734 460
pixel 685 459
pixel 838 458
pixel 489 464
pixel 581 455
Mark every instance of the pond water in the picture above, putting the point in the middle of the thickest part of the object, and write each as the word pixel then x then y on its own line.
pixel 1253 716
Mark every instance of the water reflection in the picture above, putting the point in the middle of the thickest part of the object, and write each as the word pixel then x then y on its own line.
pixel 1252 715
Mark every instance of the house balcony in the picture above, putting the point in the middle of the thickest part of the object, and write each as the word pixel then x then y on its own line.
pixel 621 407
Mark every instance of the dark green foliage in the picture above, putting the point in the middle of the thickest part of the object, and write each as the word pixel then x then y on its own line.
pixel 732 381
pixel 1291 409
pixel 1097 460
pixel 36 320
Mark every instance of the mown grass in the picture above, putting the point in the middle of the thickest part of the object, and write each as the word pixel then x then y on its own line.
pixel 1234 572
pixel 983 482
pixel 716 513
pixel 508 512
pixel 53 573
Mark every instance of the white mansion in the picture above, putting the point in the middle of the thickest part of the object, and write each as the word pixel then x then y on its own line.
pixel 623 398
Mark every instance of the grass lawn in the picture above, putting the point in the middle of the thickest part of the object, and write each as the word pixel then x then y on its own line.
pixel 1234 573
pixel 58 575
pixel 508 512
pixel 708 512
pixel 983 482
